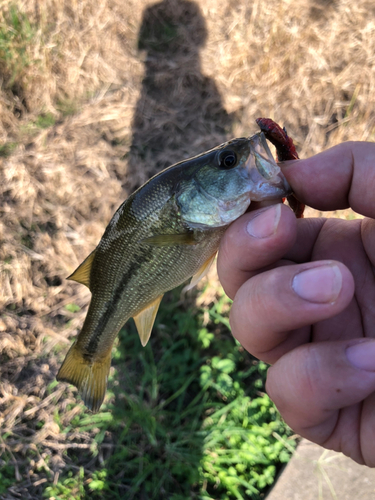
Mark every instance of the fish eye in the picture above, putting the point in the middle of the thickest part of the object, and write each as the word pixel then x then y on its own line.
pixel 227 160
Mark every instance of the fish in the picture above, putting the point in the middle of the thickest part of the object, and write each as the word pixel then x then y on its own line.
pixel 166 232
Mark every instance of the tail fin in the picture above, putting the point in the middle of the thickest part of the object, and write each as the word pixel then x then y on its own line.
pixel 90 377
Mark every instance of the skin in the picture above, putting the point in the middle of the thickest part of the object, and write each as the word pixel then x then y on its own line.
pixel 316 328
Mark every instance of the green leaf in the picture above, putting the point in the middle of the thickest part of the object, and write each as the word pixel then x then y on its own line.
pixel 72 308
pixel 225 365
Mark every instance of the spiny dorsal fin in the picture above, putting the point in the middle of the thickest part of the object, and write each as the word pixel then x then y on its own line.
pixel 201 273
pixel 170 240
pixel 90 378
pixel 82 273
pixel 144 321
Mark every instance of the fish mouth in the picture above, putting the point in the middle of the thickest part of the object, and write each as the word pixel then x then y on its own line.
pixel 284 184
pixel 267 180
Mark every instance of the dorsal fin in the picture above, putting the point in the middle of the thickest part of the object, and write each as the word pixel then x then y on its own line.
pixel 144 321
pixel 201 273
pixel 82 273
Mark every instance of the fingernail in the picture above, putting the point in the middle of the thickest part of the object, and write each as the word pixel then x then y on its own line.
pixel 362 355
pixel 265 223
pixel 320 284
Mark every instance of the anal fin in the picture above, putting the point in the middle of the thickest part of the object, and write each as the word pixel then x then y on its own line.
pixel 144 321
pixel 83 271
pixel 90 378
pixel 201 273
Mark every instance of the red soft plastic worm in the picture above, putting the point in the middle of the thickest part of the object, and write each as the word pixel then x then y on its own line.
pixel 285 150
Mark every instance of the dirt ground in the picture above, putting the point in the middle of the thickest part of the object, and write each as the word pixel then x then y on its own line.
pixel 96 98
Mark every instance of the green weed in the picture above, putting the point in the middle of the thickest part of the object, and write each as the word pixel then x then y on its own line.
pixel 72 307
pixel 45 120
pixel 32 127
pixel 7 476
pixel 16 33
pixel 157 36
pixel 7 149
pixel 67 489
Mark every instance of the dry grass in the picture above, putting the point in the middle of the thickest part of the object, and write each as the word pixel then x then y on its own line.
pixel 126 95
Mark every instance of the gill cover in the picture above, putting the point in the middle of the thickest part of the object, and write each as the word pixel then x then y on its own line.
pixel 222 189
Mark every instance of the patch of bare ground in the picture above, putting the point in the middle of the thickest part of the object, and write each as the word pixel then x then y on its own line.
pixel 131 87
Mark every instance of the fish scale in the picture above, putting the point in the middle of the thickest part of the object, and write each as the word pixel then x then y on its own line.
pixel 166 232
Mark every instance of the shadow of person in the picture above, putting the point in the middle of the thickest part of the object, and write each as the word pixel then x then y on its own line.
pixel 179 112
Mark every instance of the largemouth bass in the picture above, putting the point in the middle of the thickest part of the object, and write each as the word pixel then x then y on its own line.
pixel 166 232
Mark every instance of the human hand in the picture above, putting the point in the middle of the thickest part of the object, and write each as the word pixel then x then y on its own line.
pixel 304 299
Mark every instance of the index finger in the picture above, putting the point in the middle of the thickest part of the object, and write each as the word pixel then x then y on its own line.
pixel 341 177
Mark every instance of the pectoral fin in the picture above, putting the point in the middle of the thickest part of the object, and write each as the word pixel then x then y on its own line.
pixel 201 273
pixel 168 240
pixel 82 273
pixel 144 321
